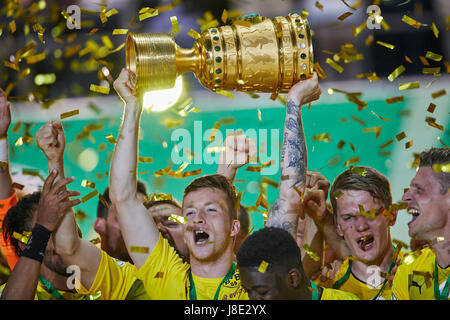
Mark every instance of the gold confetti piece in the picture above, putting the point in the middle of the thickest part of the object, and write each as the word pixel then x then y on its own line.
pixel 36 58
pixel 310 252
pixel 162 172
pixel 111 13
pixel 88 184
pixel 433 56
pixel 20 237
pixel 357 30
pixel 18 186
pixel 148 13
pixel 25 72
pixel 139 249
pixel 215 149
pixel 175 26
pixel 359 170
pixel 334 65
pixel 11 65
pixel 408 59
pixel 80 215
pixel 325 137
pixel 396 73
pixel 351 161
pixel 159 274
pixel 431 107
pixel 103 201
pixel 401 136
pixel 358 120
pixel 177 218
pixel 89 196
pixel 224 17
pixel 192 173
pixel 12 26
pixel 384 145
pixel 253 169
pixel 351 146
pixel 225 93
pixel 69 114
pixel 370 214
pixel 338 194
pixel 431 70
pixel 120 31
pixel 319 71
pixel 439 93
pixel 214 131
pixel 409 86
pixel 432 123
pixel 344 16
pixel 99 89
pixel 299 192
pixel 194 34
pixel 145 159
pixel 384 119
pixel 386 45
pixel 424 61
pixel 95 240
pixel 413 23
pixel 341 144
pixel 319 5
pixel 110 139
pixel 441 167
pixel 263 267
pixel 355 6
pixel 395 99
pixel 435 30
pixel 261 201
pixel 270 182
pixel 408 144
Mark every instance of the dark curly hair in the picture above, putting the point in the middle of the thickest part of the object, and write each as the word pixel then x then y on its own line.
pixel 272 245
pixel 19 219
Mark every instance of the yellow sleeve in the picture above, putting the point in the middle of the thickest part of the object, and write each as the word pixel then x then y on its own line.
pixel 164 274
pixel 114 279
pixel 332 294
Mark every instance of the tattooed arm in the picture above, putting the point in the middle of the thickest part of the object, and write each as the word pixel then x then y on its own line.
pixel 6 189
pixel 285 211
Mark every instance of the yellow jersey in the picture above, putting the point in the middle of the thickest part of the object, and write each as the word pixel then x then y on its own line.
pixel 167 277
pixel 116 280
pixel 346 281
pixel 332 294
pixel 44 292
pixel 415 278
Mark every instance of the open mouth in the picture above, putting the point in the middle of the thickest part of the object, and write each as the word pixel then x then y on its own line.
pixel 200 237
pixel 366 243
pixel 415 213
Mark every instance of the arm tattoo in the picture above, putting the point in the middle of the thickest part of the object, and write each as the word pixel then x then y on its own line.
pixel 293 164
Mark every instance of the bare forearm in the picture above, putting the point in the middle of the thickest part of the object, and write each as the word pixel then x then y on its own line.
pixel 23 280
pixel 228 172
pixel 124 162
pixel 314 239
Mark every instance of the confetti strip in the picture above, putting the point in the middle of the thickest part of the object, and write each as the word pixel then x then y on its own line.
pixel 338 194
pixel 146 13
pixel 396 73
pixel 224 17
pixel 194 34
pixel 120 31
pixel 139 249
pixel 310 252
pixel 435 30
pixel 359 170
pixel 344 16
pixel 431 70
pixel 103 201
pixel 408 59
pixel 110 139
pixel 22 238
pixel 319 5
pixel 395 99
pixel 88 184
pixel 192 173
pixel 409 86
pixel 413 23
pixel 400 136
pixel 214 131
pixel 18 186
pixel 357 30
pixel 177 218
pixel 334 65
pixel 439 93
pixel 159 274
pixel 145 159
pixel 384 119
pixel 325 137
pixel 263 267
pixel 351 161
pixel 441 167
pixel 408 144
pixel 352 146
pixel 384 145
pixel 433 56
pixel 424 61
pixel 319 71
pixel 225 93
pixel 341 144
pixel 95 240
pixel 175 26
pixel 89 196
pixel 431 107
pixel 36 58
pixel 358 120
pixel 69 114
pixel 386 45
pixel 162 172
pixel 99 89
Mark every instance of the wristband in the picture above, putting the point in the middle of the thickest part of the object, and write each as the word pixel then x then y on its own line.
pixel 35 248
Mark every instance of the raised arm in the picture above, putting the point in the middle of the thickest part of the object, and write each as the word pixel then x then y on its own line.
pixel 137 226
pixel 285 211
pixel 54 201
pixel 68 244
pixel 6 189
pixel 239 151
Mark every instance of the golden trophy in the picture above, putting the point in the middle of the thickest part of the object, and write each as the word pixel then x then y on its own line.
pixel 268 56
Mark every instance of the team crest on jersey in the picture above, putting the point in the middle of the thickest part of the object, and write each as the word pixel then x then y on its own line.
pixel 233 282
